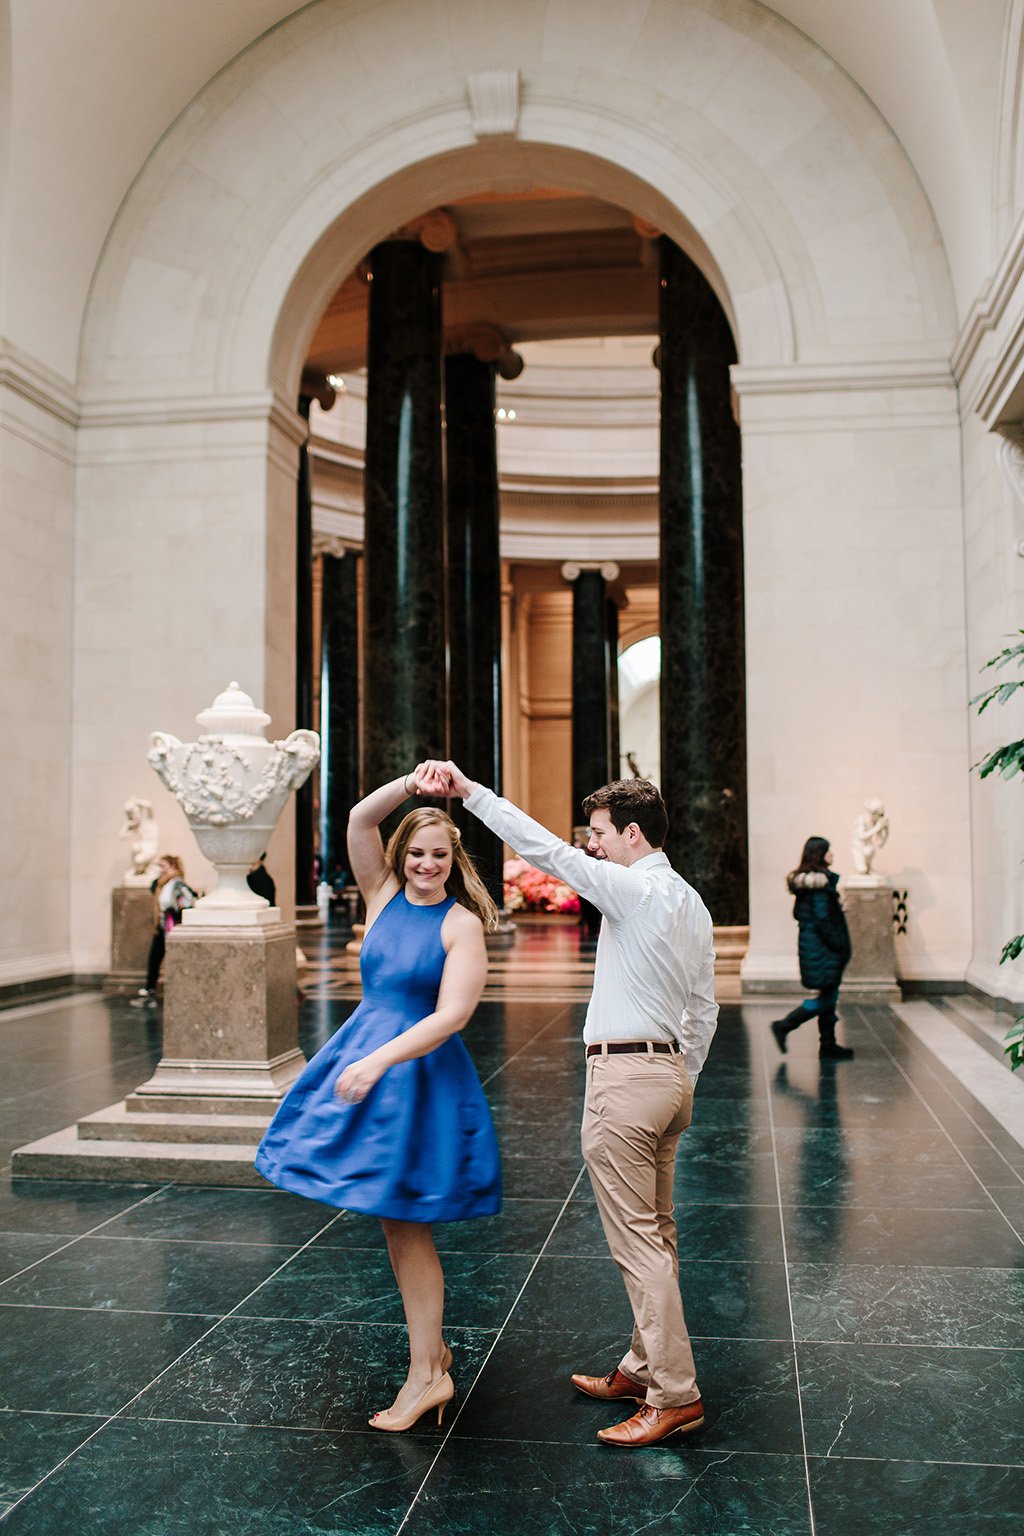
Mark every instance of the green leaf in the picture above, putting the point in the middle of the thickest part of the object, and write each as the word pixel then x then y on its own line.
pixel 1012 948
pixel 1014 1043
pixel 1007 760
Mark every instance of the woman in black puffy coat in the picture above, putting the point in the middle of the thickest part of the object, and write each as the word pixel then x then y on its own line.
pixel 823 947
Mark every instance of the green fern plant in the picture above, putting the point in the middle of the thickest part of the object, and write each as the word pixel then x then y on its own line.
pixel 1007 761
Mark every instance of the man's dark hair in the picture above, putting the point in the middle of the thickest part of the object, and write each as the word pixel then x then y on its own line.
pixel 628 800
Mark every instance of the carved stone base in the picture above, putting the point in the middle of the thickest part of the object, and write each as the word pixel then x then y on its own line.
pixel 132 917
pixel 872 968
pixel 731 945
pixel 230 1054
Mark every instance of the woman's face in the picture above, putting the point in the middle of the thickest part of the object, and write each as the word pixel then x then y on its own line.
pixel 166 867
pixel 428 863
pixel 828 855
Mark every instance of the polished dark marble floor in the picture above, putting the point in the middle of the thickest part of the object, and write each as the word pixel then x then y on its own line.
pixel 194 1360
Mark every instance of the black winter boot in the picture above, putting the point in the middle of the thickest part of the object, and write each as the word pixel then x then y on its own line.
pixel 783 1027
pixel 828 1048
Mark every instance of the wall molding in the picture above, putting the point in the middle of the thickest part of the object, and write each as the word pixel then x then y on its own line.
pixel 42 967
pixel 989 308
pixel 196 410
pixel 930 372
pixel 23 374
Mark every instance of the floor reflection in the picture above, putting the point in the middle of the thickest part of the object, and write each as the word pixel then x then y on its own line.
pixel 852 1266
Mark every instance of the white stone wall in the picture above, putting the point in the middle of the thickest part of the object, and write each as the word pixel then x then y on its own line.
pixel 36 555
pixel 994 523
pixel 185 581
pixel 856 680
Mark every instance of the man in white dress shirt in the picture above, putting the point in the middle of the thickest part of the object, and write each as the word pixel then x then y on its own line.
pixel 649 1025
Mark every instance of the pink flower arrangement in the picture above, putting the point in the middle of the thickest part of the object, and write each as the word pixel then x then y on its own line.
pixel 530 890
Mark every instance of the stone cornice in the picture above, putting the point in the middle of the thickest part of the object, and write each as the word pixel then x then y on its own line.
pixel 41 386
pixel 261 406
pixel 988 309
pixel 843 378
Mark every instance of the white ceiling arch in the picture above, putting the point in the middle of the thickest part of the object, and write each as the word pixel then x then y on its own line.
pixel 732 130
pixel 80 137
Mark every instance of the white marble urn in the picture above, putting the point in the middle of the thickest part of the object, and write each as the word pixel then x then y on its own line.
pixel 233 785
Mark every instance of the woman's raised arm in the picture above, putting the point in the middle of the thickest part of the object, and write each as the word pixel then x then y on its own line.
pixel 365 845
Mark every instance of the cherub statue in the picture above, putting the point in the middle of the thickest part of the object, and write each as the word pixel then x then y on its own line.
pixel 140 824
pixel 870 833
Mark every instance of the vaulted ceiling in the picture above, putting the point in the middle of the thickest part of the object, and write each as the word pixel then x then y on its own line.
pixel 89 87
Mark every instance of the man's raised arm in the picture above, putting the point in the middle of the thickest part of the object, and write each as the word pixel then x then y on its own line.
pixel 614 890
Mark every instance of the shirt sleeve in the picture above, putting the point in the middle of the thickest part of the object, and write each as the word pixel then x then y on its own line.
pixel 614 890
pixel 700 1016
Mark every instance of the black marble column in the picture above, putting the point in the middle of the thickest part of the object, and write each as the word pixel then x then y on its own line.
pixel 305 884
pixel 703 720
pixel 339 705
pixel 612 665
pixel 404 589
pixel 474 594
pixel 591 744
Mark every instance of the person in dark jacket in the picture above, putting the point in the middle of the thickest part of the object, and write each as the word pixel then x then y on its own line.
pixel 260 880
pixel 823 947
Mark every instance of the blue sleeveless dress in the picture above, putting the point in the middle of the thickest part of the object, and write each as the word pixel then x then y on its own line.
pixel 421 1145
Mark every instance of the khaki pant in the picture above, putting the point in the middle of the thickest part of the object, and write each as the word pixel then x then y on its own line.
pixel 636 1108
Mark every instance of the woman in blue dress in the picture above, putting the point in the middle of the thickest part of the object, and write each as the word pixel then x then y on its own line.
pixel 389 1118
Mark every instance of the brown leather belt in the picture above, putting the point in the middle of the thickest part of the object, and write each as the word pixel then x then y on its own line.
pixel 630 1047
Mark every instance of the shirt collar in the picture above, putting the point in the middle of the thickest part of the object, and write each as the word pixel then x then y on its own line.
pixel 651 860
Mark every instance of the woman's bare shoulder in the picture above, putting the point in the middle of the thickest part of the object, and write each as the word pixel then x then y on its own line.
pixel 459 920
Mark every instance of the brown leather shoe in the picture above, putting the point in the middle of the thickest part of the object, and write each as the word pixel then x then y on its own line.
pixel 652 1425
pixel 608 1388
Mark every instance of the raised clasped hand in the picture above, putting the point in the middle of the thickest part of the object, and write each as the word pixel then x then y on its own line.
pixel 356 1081
pixel 431 778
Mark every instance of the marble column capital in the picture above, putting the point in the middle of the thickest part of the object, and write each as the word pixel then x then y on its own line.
pixel 314 385
pixel 572 570
pixel 436 230
pixel 488 344
pixel 329 544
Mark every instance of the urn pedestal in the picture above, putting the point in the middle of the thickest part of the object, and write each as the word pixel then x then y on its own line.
pixel 230 1046
pixel 132 915
pixel 871 973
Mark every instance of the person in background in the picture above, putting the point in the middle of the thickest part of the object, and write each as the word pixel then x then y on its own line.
pixel 171 897
pixel 260 880
pixel 823 948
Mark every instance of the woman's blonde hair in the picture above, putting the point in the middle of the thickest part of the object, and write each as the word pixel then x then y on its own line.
pixel 177 869
pixel 463 882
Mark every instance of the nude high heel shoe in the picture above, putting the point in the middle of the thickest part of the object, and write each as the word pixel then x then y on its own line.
pixel 438 1395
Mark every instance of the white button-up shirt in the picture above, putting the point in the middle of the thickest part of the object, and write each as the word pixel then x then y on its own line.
pixel 654 976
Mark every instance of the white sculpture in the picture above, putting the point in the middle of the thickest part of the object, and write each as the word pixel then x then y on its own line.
pixel 232 785
pixel 870 833
pixel 140 825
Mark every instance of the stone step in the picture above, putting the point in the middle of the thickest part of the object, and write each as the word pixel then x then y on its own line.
pixel 64 1155
pixel 121 1124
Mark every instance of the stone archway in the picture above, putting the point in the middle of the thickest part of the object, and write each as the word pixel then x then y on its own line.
pixel 248 211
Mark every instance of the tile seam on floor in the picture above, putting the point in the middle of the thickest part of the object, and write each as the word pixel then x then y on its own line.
pixel 559 1014
pixel 789 1294
pixel 461 1408
pixel 77 1238
pixel 111 1418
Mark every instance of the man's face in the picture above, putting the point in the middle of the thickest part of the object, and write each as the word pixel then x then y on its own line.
pixel 605 842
